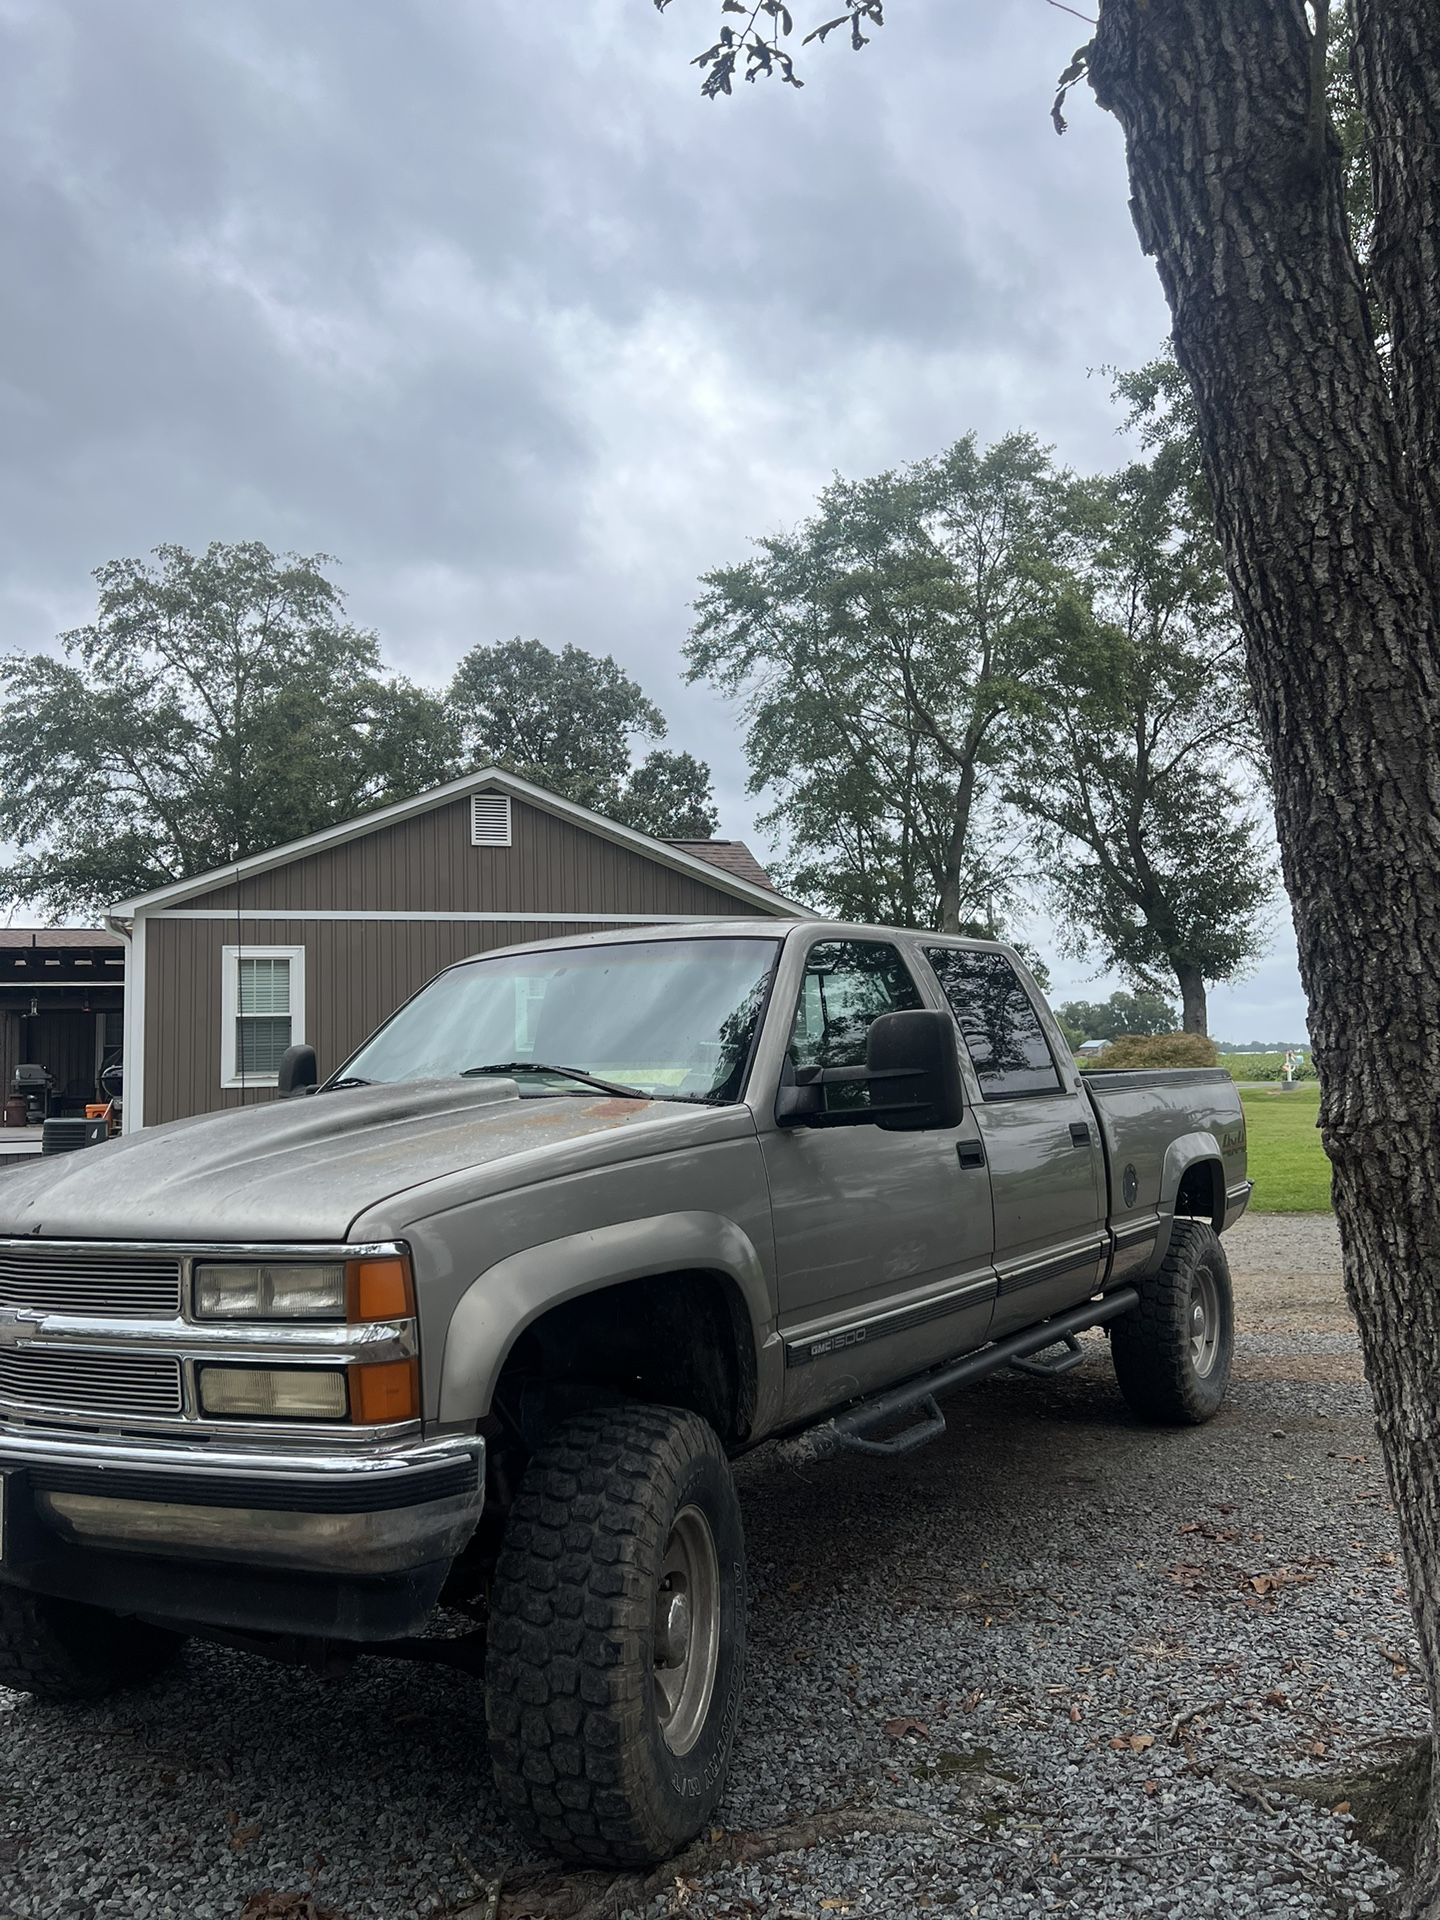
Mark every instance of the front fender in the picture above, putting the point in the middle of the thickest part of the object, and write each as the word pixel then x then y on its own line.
pixel 503 1301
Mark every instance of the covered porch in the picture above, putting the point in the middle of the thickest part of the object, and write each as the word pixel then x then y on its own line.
pixel 62 993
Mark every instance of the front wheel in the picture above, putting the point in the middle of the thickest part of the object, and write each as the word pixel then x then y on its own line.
pixel 63 1650
pixel 1172 1353
pixel 616 1648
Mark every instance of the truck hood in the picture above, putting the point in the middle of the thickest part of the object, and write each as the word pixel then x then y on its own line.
pixel 304 1169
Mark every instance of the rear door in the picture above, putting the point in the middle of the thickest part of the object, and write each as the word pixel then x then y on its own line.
pixel 1047 1170
pixel 882 1240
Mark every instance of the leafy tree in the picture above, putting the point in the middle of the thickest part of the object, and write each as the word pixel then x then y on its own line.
pixel 1155 858
pixel 883 655
pixel 669 795
pixel 218 704
pixel 567 721
pixel 1123 1013
pixel 1321 449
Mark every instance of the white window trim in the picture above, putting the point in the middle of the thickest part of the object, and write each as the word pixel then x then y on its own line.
pixel 230 957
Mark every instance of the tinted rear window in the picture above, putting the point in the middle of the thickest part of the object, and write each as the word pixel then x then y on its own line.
pixel 998 1020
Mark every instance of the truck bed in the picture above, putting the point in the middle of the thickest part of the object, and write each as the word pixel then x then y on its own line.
pixel 1154 1171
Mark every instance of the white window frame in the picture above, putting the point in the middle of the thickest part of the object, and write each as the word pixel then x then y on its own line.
pixel 230 958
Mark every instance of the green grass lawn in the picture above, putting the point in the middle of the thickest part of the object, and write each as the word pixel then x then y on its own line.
pixel 1287 1162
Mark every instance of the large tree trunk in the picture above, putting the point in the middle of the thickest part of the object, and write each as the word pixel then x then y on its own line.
pixel 1193 1013
pixel 1325 517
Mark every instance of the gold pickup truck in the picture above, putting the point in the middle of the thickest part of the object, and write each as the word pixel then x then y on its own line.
pixel 478 1322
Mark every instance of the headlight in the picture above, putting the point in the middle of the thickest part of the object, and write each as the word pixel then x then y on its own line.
pixel 377 1287
pixel 273 1393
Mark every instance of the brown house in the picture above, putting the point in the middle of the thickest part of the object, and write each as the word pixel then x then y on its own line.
pixel 318 941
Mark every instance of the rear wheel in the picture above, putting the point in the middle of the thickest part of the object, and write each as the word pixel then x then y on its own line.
pixel 616 1645
pixel 61 1650
pixel 1172 1354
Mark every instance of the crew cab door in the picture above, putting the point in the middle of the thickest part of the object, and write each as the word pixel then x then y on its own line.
pixel 882 1240
pixel 1047 1170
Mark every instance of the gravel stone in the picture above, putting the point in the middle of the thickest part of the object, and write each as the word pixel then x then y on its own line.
pixel 1045 1591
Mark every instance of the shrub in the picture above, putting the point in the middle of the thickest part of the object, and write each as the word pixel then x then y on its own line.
pixel 1159 1050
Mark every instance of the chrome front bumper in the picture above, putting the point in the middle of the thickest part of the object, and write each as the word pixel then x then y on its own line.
pixel 354 1514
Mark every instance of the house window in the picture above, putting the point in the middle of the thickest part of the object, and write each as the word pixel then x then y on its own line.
pixel 262 1012
pixel 490 820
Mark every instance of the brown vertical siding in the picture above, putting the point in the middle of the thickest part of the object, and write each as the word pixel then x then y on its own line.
pixel 427 864
pixel 357 972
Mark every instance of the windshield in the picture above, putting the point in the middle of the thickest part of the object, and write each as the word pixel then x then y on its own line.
pixel 673 1018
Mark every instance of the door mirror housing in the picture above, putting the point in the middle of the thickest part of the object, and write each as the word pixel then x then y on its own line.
pixel 913 1065
pixel 912 1073
pixel 298 1074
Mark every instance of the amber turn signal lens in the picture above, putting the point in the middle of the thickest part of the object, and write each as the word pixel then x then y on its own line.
pixel 389 1390
pixel 379 1290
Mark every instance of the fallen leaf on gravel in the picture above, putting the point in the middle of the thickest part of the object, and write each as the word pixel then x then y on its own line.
pixel 1186 1574
pixel 1264 1583
pixel 902 1729
pixel 1277 1699
pixel 1341 1806
pixel 836 1906
pixel 1133 1742
pixel 242 1836
pixel 269 1905
pixel 1076 1714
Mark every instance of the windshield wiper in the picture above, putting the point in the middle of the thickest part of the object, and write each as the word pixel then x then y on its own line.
pixel 350 1080
pixel 564 1073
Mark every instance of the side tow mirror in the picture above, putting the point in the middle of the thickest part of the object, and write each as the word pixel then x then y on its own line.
pixel 298 1073
pixel 912 1061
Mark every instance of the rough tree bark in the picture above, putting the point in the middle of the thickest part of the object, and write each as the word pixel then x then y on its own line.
pixel 1325 484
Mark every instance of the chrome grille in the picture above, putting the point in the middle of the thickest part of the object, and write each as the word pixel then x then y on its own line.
pixel 68 1380
pixel 105 1282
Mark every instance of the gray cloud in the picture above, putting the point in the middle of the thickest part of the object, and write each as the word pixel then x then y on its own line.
pixel 485 300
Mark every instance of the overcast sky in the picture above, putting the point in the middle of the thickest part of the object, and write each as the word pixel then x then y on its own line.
pixel 481 297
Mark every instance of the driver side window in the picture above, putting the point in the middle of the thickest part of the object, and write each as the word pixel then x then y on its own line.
pixel 847 985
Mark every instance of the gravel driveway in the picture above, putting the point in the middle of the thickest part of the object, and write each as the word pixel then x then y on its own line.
pixel 1033 1669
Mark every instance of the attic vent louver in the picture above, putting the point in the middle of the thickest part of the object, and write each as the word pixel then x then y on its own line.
pixel 489 819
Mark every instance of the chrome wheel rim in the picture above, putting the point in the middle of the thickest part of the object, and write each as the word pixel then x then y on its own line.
pixel 687 1630
pixel 1204 1323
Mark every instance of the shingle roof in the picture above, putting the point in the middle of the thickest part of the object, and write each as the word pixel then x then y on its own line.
pixel 57 937
pixel 731 856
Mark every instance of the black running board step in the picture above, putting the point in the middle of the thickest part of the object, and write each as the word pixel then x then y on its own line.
pixel 929 1427
pixel 854 1429
pixel 1072 1356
